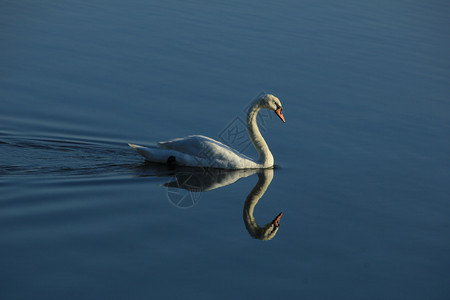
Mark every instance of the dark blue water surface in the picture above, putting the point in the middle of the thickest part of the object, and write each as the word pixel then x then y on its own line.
pixel 363 159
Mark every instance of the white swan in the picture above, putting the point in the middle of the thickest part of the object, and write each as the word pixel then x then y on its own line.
pixel 201 151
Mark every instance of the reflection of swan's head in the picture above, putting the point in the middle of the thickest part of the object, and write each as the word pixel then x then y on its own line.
pixel 272 103
pixel 267 232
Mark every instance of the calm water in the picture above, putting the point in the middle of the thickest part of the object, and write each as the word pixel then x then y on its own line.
pixel 363 159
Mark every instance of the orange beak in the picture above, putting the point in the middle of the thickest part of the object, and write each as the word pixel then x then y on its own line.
pixel 279 113
pixel 276 222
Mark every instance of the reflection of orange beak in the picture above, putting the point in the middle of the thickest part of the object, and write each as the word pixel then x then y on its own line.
pixel 276 222
pixel 279 113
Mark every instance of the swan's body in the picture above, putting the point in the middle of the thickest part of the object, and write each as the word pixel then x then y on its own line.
pixel 201 151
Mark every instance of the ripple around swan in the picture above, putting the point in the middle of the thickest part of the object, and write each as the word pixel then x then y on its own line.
pixel 44 156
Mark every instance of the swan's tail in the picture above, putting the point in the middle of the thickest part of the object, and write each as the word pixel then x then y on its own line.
pixel 153 154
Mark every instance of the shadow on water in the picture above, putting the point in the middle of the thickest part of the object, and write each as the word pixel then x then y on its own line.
pixel 187 184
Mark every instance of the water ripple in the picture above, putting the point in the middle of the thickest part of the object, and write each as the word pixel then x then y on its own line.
pixel 52 156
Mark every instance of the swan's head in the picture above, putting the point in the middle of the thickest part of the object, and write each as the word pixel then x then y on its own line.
pixel 273 103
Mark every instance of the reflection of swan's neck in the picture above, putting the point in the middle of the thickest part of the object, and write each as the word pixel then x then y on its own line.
pixel 264 155
pixel 269 230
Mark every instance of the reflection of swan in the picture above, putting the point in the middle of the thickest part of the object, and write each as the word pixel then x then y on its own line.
pixel 268 231
pixel 201 180
pixel 186 184
pixel 201 151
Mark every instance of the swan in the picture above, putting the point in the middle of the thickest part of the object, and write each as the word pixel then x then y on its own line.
pixel 202 151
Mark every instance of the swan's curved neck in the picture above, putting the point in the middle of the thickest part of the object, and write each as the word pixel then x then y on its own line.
pixel 265 157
